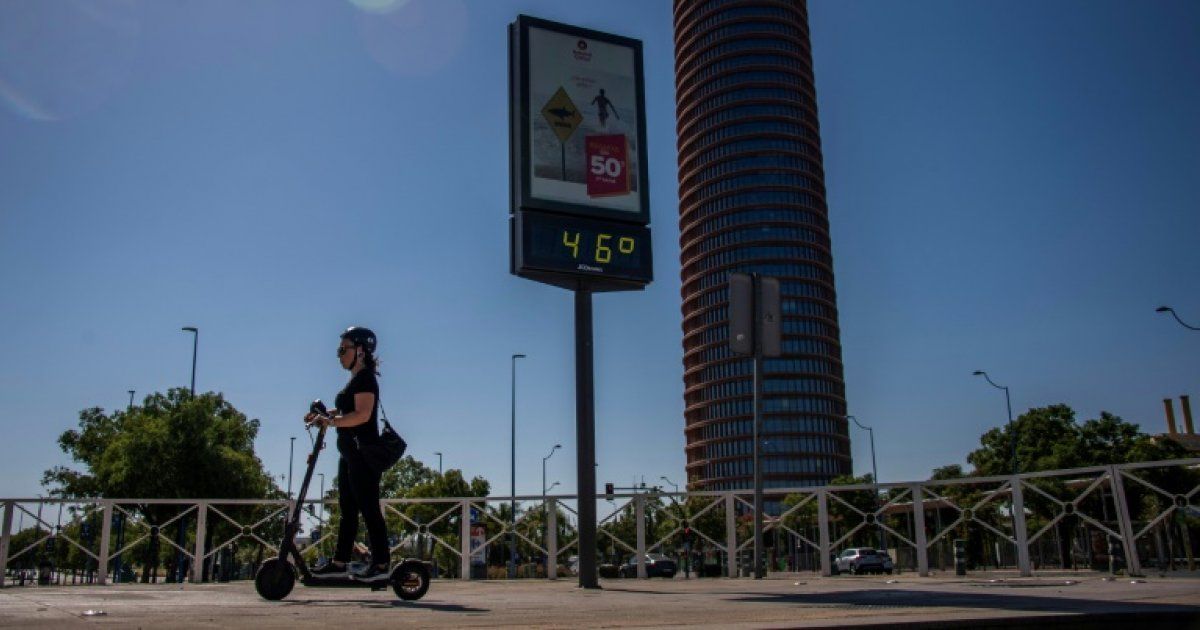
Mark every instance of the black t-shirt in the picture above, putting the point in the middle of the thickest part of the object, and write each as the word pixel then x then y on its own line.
pixel 362 382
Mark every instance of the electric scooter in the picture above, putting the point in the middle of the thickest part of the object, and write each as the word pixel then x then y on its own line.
pixel 276 577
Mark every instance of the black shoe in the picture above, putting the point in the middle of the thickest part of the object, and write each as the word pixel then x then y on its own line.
pixel 331 569
pixel 373 573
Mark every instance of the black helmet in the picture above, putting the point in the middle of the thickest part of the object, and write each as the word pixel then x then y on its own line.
pixel 360 336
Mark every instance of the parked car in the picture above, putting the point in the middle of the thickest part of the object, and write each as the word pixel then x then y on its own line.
pixel 860 560
pixel 887 561
pixel 657 565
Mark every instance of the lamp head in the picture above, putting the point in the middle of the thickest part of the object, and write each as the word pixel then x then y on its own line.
pixel 978 373
pixel 1163 309
pixel 557 446
pixel 190 329
pixel 518 356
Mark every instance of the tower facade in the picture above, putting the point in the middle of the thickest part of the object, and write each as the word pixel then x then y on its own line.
pixel 752 200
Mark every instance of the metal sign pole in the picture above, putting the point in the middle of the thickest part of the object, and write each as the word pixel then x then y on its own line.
pixel 585 437
pixel 758 478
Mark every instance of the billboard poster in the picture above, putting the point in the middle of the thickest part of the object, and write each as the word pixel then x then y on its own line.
pixel 478 544
pixel 584 121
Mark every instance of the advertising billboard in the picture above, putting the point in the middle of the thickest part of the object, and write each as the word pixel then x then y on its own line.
pixel 578 122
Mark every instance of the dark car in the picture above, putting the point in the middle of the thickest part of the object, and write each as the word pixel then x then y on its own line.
pixel 657 565
pixel 860 560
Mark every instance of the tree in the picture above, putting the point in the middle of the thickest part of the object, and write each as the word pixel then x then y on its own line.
pixel 1050 438
pixel 173 446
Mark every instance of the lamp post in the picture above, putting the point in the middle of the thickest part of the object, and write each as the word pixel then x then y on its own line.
pixel 1168 309
pixel 673 484
pixel 130 407
pixel 321 519
pixel 544 459
pixel 512 505
pixel 439 455
pixel 1011 427
pixel 874 475
pixel 291 456
pixel 195 342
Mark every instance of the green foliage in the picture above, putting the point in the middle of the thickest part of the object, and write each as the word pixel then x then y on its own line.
pixel 1049 438
pixel 173 446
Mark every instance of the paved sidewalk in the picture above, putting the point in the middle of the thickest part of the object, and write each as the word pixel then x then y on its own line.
pixel 1064 602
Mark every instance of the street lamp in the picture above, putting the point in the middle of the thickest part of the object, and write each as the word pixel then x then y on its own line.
pixel 512 506
pixel 1011 427
pixel 291 456
pixel 439 454
pixel 544 459
pixel 673 484
pixel 552 486
pixel 874 475
pixel 1168 309
pixel 195 342
pixel 321 519
pixel 130 407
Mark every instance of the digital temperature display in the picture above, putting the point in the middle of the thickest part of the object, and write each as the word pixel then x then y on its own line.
pixel 610 250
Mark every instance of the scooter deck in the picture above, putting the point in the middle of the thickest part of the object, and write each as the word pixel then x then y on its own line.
pixel 344 582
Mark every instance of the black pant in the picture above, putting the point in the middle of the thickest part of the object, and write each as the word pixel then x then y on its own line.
pixel 358 493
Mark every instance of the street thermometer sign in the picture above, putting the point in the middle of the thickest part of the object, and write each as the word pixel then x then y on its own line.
pixel 580 205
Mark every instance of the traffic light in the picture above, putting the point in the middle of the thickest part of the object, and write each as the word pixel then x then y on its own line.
pixel 608 491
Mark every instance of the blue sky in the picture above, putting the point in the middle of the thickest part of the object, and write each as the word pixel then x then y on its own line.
pixel 1012 187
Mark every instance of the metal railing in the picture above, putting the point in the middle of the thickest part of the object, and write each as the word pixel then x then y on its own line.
pixel 1128 514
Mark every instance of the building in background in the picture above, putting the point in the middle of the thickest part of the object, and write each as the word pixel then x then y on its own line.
pixel 752 199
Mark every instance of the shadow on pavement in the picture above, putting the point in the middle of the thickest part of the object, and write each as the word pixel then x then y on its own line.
pixel 900 598
pixel 375 603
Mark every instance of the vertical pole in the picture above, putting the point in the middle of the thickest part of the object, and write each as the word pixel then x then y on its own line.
pixel 195 345
pixel 731 535
pixel 5 537
pixel 512 501
pixel 585 437
pixel 759 571
pixel 291 456
pixel 563 147
pixel 1133 564
pixel 464 540
pixel 1020 532
pixel 552 539
pixel 639 511
pixel 201 535
pixel 1012 429
pixel 922 550
pixel 105 537
pixel 823 524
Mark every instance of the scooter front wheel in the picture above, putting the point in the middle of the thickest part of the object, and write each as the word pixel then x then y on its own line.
pixel 410 580
pixel 275 579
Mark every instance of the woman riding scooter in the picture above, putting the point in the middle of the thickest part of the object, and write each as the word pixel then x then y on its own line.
pixel 358 485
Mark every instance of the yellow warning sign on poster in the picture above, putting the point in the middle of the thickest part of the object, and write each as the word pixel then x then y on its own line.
pixel 561 113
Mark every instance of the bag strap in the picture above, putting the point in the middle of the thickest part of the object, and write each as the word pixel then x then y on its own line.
pixel 383 413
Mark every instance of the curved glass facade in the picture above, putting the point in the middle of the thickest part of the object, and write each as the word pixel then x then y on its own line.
pixel 752 199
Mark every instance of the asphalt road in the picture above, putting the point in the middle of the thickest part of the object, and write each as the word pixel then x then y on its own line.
pixel 781 602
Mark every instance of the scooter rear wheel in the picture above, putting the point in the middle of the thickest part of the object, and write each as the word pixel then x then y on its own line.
pixel 275 579
pixel 410 580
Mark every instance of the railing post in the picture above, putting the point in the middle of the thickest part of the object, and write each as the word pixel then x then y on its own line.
pixel 922 550
pixel 5 536
pixel 731 536
pixel 105 539
pixel 639 509
pixel 823 525
pixel 1132 562
pixel 464 540
pixel 552 539
pixel 201 534
pixel 1019 528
